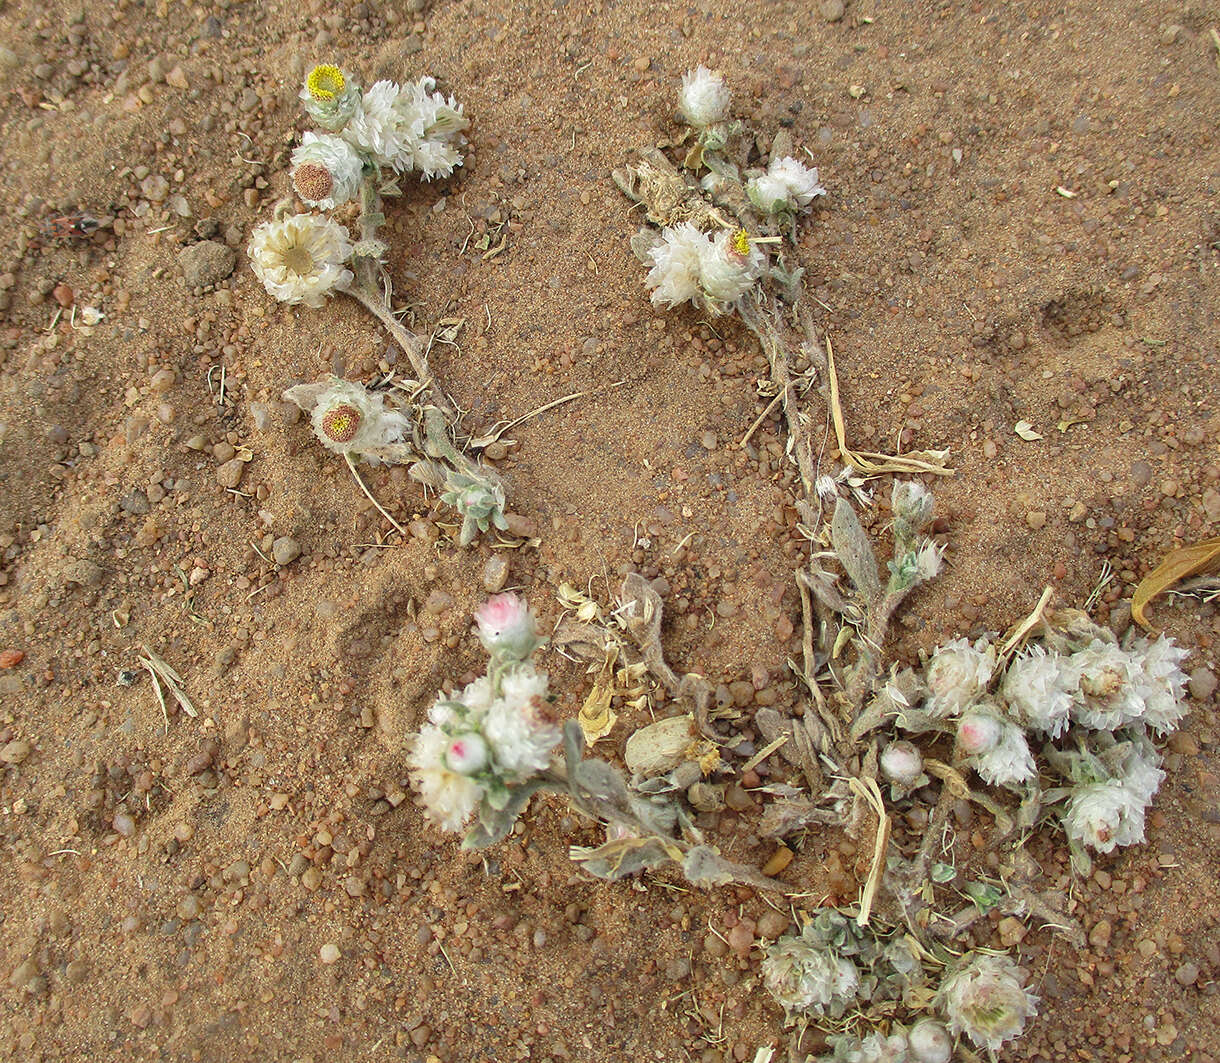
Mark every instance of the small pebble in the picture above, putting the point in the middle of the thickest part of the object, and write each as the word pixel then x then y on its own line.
pixel 285 550
pixel 1202 683
pixel 831 10
pixel 1187 974
pixel 230 473
pixel 329 953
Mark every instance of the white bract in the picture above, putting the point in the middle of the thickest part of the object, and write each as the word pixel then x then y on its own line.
pixel 1038 689
pixel 376 129
pixel 957 674
pixel 712 272
pixel 902 763
pixel 1107 694
pixel 985 999
pixel 1104 815
pixel 787 186
pixel 326 170
pixel 301 258
pixel 349 419
pixel 803 977
pixel 411 127
pixel 705 98
pixel 449 797
pixel 929 1042
pixel 1162 683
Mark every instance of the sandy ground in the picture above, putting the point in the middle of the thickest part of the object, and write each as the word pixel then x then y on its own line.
pixel 1022 224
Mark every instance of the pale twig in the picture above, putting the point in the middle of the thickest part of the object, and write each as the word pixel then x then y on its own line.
pixel 410 344
pixel 369 495
pixel 487 440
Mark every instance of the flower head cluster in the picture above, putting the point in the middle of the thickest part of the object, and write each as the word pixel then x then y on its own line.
pixel 704 100
pixel 788 186
pixel 926 1042
pixel 835 964
pixel 496 734
pixel 326 170
pixel 712 272
pixel 408 128
pixel 348 418
pixel 301 258
pixel 958 674
pixel 1038 691
pixel 995 746
pixel 985 998
pixel 1113 790
pixel 902 765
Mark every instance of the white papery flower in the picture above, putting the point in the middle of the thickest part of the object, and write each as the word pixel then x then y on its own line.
pixel 929 1042
pixel 1104 815
pixel 677 260
pixel 377 129
pixel 1008 762
pixel 957 674
pixel 449 798
pixel 1140 773
pixel 1108 690
pixel 1162 683
pixel 326 171
pixel 801 180
pixel 985 998
pixel 705 98
pixel 300 258
pixel 803 977
pixel 929 560
pixel 435 126
pixel 433 158
pixel 902 764
pixel 520 726
pixel 331 96
pixel 770 194
pixel 348 418
pixel 1038 689
pixel 729 265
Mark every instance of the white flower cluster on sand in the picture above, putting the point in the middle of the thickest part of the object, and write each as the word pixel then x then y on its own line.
pixel 984 997
pixel 498 732
pixel 348 418
pixel 408 128
pixel 788 186
pixel 301 258
pixel 704 99
pixel 712 272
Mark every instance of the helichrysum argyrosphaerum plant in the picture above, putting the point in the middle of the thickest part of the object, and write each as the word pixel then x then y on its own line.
pixel 367 139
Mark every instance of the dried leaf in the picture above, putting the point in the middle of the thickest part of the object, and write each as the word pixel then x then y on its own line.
pixel 596 718
pixel 1026 431
pixel 854 551
pixel 1179 564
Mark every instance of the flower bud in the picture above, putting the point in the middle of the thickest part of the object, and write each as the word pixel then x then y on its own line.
pixel 902 763
pixel 911 502
pixel 467 754
pixel 705 97
pixel 506 627
pixel 929 1042
pixel 979 732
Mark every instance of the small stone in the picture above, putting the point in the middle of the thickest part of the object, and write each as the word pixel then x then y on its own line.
pixel 188 908
pixel 23 974
pixel 124 824
pixel 495 573
pixel 708 440
pixel 1187 974
pixel 11 658
pixel 9 60
pixel 311 879
pixel 230 473
pixel 831 10
pixel 15 752
pixel 1099 936
pixel 207 262
pixel 63 295
pixel 329 953
pixel 773 925
pixel 1035 519
pixel 285 550
pixel 176 78
pixel 1011 931
pixel 1202 683
pixel 714 945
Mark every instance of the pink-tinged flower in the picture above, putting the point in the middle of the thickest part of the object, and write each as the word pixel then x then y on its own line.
pixel 979 732
pixel 467 754
pixel 506 627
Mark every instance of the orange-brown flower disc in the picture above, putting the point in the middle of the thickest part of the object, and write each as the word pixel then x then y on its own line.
pixel 341 423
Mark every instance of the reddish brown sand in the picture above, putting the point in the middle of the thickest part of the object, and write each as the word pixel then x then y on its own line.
pixel 1022 224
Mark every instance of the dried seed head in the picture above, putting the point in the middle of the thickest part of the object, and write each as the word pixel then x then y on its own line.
pixel 325 82
pixel 312 182
pixel 341 423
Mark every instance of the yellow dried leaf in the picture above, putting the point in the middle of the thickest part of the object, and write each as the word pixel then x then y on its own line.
pixel 596 718
pixel 1026 431
pixel 1179 564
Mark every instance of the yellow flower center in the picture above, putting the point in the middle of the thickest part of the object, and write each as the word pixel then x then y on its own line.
pixel 340 424
pixel 325 82
pixel 741 243
pixel 298 260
